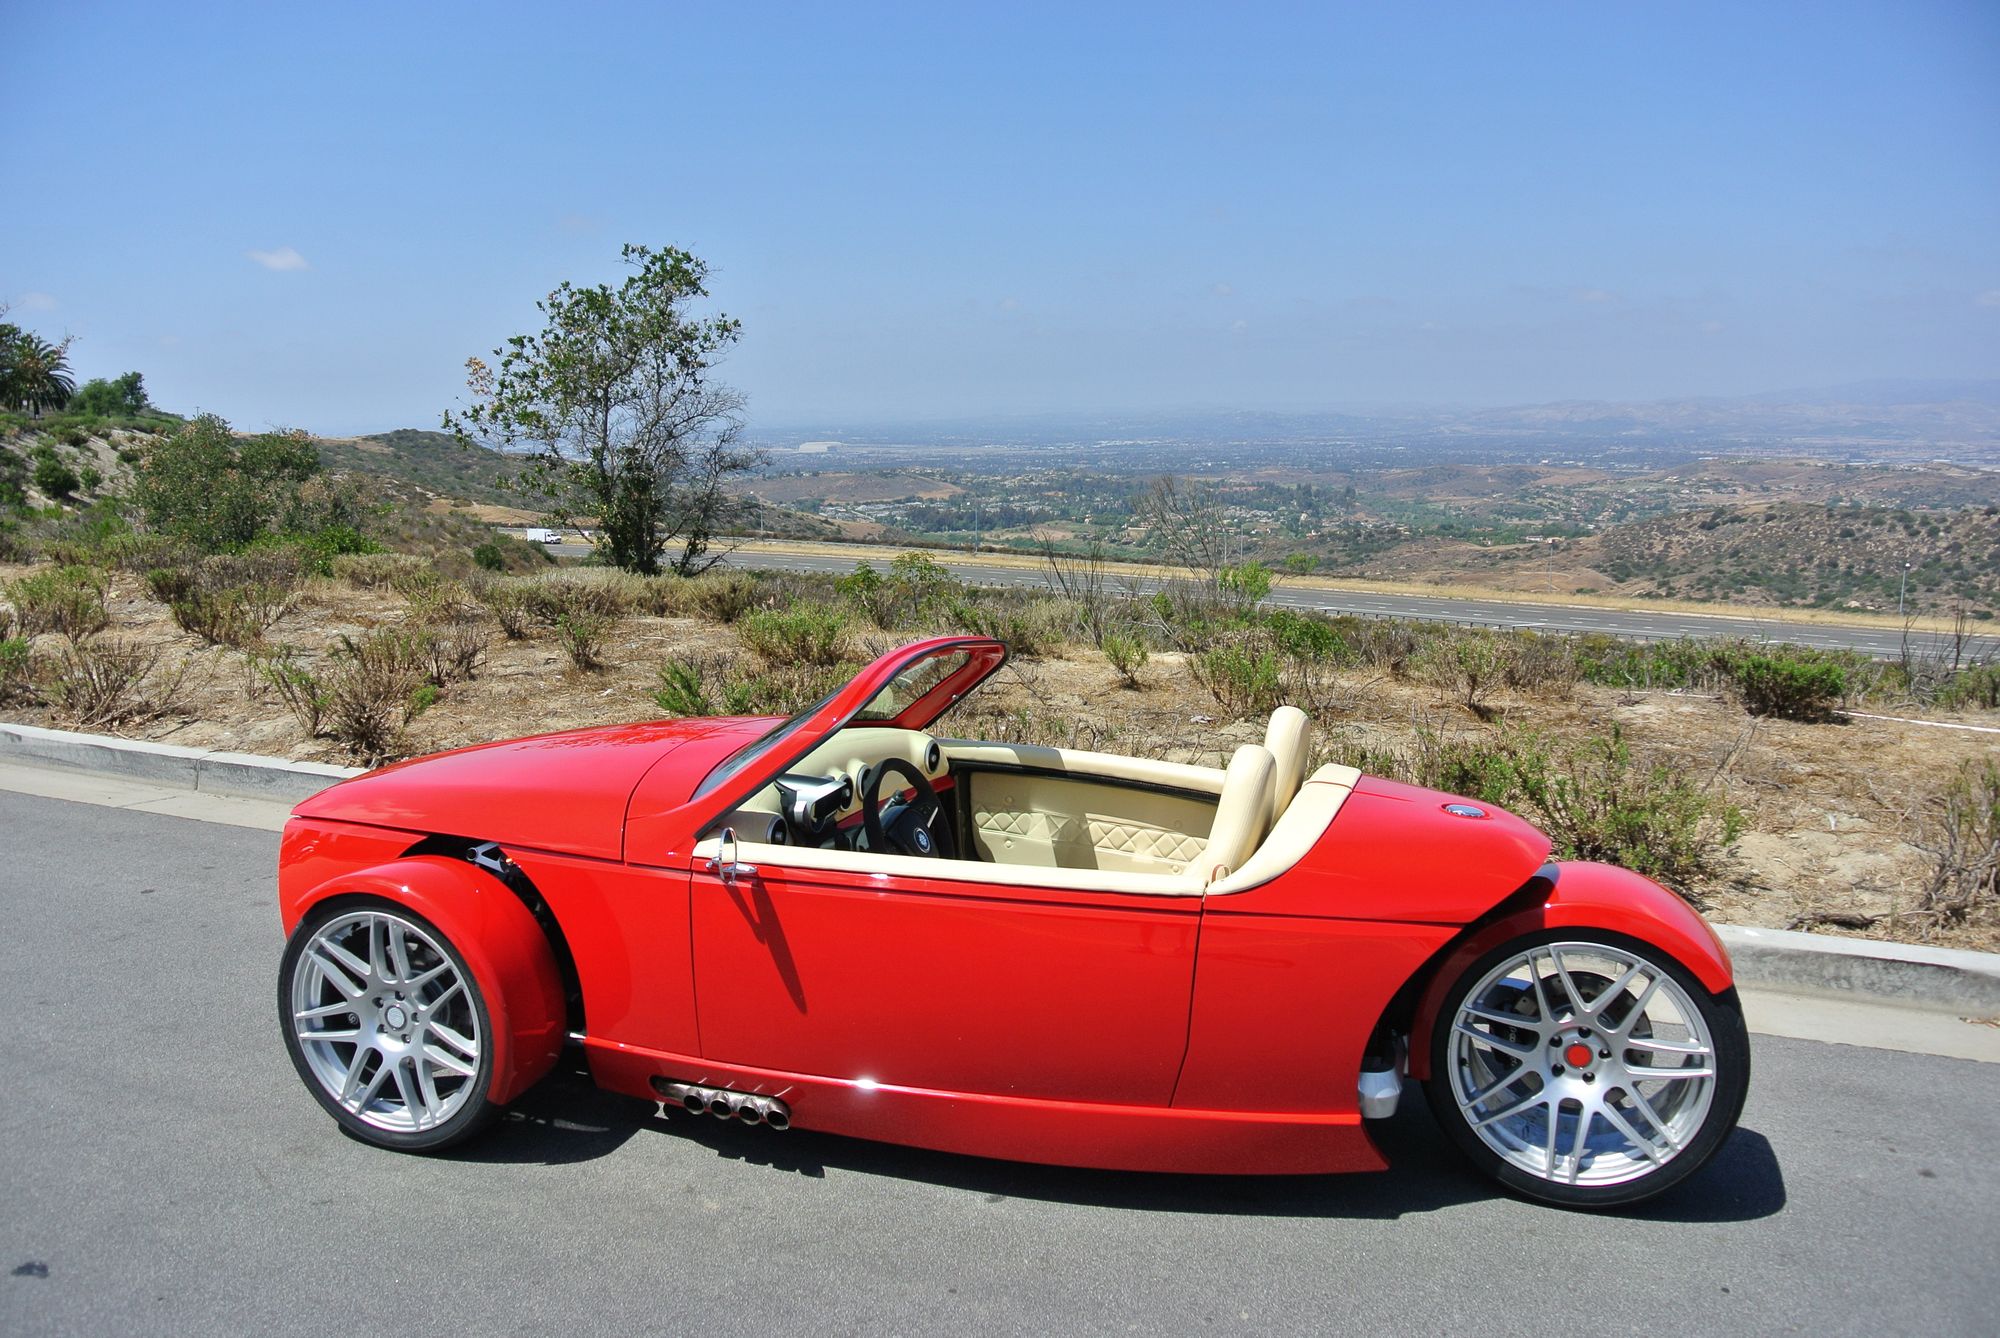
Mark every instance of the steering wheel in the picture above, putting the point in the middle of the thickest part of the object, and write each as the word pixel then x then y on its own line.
pixel 912 828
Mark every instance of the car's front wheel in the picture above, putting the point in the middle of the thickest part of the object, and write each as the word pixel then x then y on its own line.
pixel 387 1025
pixel 1587 1068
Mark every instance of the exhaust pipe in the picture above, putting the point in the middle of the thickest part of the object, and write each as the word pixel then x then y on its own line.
pixel 725 1104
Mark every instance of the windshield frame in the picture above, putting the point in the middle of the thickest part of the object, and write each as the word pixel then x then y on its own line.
pixel 838 709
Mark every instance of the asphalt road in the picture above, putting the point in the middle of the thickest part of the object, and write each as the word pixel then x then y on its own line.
pixel 164 1172
pixel 1646 625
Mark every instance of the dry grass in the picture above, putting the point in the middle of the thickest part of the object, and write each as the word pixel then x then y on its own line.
pixel 1833 838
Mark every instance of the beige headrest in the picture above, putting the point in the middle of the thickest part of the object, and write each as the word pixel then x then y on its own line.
pixel 1242 815
pixel 1288 736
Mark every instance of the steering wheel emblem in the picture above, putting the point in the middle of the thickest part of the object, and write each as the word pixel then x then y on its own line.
pixel 923 840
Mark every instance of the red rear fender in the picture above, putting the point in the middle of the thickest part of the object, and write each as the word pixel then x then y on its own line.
pixel 1585 896
pixel 499 939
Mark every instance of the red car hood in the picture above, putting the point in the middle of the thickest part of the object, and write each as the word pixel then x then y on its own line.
pixel 562 792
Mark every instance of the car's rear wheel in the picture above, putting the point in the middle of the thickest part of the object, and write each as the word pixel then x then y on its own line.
pixel 1587 1068
pixel 387 1025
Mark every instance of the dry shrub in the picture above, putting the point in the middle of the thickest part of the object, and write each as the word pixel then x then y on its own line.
pixel 297 687
pixel 581 635
pixel 377 571
pixel 452 653
pixel 1961 833
pixel 69 600
pixel 229 599
pixel 511 601
pixel 105 682
pixel 368 690
pixel 17 678
pixel 713 596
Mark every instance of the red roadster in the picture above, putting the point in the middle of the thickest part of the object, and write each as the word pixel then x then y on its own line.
pixel 847 923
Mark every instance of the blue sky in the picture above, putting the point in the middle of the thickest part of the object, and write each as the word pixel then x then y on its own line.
pixel 311 215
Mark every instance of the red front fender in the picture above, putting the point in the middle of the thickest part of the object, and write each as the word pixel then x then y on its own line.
pixel 1585 896
pixel 500 941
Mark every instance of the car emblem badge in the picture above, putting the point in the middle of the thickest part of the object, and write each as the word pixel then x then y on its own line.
pixel 923 839
pixel 1465 810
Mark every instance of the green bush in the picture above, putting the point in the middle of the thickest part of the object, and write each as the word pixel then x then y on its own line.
pixel 220 492
pixel 581 635
pixel 710 685
pixel 54 477
pixel 806 634
pixel 1243 678
pixel 16 669
pixel 69 600
pixel 1127 654
pixel 489 557
pixel 1029 630
pixel 1589 796
pixel 1791 686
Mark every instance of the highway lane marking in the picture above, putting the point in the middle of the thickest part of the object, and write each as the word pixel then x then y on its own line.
pixel 1934 724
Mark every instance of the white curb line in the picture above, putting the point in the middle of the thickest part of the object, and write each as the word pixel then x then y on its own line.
pixel 202 769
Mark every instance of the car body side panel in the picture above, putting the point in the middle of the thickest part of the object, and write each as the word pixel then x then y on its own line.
pixel 947 986
pixel 1055 1133
pixel 509 955
pixel 1585 896
pixel 1284 1005
pixel 628 933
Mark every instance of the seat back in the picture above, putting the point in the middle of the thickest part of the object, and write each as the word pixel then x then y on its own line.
pixel 1289 737
pixel 1242 816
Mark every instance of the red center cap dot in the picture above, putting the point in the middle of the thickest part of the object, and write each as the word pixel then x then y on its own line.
pixel 1578 1055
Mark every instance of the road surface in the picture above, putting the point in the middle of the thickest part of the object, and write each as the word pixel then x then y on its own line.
pixel 165 1173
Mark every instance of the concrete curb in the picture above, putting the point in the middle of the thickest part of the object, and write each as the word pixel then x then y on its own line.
pixel 209 771
pixel 1911 975
pixel 1906 974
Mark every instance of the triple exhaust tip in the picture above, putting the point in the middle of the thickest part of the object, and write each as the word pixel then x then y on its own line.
pixel 726 1105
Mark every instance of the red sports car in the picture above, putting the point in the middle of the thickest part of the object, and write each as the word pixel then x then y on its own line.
pixel 849 923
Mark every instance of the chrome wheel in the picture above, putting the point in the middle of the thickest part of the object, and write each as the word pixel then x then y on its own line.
pixel 1588 1066
pixel 382 1018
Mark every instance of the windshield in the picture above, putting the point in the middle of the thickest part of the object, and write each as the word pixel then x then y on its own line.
pixel 897 694
pixel 888 703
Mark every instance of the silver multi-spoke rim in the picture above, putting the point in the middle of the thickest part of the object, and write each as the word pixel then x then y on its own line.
pixel 1582 1064
pixel 385 1022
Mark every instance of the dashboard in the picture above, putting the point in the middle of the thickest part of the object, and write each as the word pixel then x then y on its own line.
pixel 817 801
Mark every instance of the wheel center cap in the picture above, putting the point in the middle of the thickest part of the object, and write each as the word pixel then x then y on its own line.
pixel 1578 1055
pixel 396 1019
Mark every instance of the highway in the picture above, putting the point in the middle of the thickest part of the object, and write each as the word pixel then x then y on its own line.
pixel 1876 640
pixel 167 1174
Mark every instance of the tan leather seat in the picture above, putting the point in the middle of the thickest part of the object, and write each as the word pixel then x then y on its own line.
pixel 1242 816
pixel 1289 737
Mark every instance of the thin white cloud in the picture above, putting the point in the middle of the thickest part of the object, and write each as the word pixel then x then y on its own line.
pixel 1595 295
pixel 36 302
pixel 1009 304
pixel 1989 298
pixel 1222 290
pixel 284 258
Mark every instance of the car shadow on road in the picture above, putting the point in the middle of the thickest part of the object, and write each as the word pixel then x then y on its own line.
pixel 566 1119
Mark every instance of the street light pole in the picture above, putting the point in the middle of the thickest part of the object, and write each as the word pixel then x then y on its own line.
pixel 1901 587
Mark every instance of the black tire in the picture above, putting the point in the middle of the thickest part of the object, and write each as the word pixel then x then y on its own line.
pixel 1524 1151
pixel 401 1024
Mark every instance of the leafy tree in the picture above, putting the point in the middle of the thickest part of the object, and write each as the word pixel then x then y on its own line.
pixel 112 399
pixel 628 434
pixel 218 491
pixel 34 374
